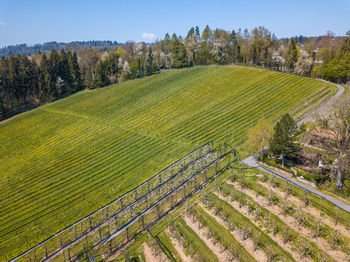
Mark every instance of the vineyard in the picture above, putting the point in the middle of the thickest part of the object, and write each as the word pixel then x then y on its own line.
pixel 244 215
pixel 62 161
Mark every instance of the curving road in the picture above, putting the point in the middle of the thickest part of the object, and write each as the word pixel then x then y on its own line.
pixel 325 106
pixel 253 162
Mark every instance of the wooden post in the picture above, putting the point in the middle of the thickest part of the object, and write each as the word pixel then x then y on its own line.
pixel 131 213
pixel 135 196
pixel 146 200
pixel 90 223
pixel 143 222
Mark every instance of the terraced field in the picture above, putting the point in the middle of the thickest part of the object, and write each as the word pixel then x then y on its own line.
pixel 64 160
pixel 248 216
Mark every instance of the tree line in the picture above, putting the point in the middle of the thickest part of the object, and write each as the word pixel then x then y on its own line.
pixel 28 81
pixel 24 49
pixel 25 84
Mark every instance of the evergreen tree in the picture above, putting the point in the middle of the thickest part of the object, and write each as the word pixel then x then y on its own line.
pixel 64 74
pixel 292 55
pixel 178 51
pixel 101 75
pixel 197 32
pixel 207 34
pixel 283 142
pixel 149 62
pixel 46 85
pixel 74 69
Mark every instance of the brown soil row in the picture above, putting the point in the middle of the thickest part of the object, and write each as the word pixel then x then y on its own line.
pixel 217 249
pixel 179 248
pixel 151 257
pixel 311 210
pixel 338 255
pixel 248 244
pixel 277 238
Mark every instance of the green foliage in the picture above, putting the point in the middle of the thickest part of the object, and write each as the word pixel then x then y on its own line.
pixel 220 234
pixel 101 75
pixel 179 54
pixel 149 63
pixel 259 136
pixel 202 252
pixel 25 84
pixel 292 55
pixel 283 141
pixel 338 69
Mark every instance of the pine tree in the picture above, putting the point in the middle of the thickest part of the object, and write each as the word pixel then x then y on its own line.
pixel 178 51
pixel 64 73
pixel 74 69
pixel 148 66
pixel 283 141
pixel 45 84
pixel 207 34
pixel 54 65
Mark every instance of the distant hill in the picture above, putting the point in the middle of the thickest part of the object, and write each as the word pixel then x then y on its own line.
pixel 74 46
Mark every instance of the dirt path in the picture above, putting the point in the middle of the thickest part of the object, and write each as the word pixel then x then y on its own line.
pixel 202 233
pixel 247 244
pixel 179 248
pixel 311 210
pixel 338 255
pixel 325 106
pixel 151 257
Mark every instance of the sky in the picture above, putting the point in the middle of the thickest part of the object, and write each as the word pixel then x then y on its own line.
pixel 39 21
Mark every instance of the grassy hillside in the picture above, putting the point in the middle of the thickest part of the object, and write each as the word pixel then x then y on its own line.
pixel 61 161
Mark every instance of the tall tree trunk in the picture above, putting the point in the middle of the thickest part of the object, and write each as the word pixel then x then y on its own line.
pixel 339 178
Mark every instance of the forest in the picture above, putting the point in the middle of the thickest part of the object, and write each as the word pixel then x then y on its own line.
pixel 27 81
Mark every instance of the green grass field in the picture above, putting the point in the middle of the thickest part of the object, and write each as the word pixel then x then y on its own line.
pixel 64 160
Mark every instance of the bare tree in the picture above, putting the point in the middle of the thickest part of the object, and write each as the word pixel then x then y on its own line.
pixel 340 144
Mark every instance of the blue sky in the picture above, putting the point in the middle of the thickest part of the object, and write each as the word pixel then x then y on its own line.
pixel 40 21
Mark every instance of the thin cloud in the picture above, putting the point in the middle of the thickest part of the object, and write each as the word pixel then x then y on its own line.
pixel 2 22
pixel 149 36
